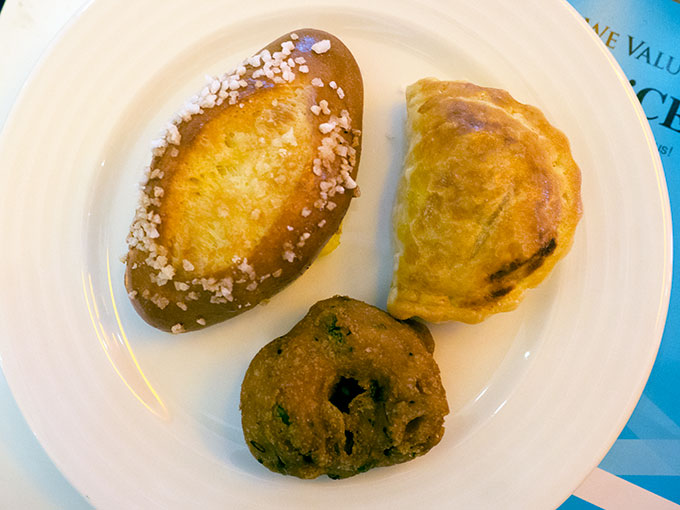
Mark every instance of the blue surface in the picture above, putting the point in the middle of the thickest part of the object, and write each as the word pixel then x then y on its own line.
pixel 644 37
pixel 665 486
pixel 574 503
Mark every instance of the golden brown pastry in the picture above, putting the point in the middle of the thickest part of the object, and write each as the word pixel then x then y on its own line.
pixel 488 202
pixel 349 388
pixel 247 184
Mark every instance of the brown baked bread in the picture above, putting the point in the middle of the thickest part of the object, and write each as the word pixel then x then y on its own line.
pixel 488 203
pixel 247 184
pixel 349 388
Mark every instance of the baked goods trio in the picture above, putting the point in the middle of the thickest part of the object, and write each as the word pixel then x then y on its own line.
pixel 252 178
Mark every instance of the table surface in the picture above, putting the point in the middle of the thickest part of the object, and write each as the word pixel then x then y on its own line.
pixel 641 471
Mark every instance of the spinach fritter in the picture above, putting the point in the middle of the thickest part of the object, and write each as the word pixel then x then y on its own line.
pixel 349 388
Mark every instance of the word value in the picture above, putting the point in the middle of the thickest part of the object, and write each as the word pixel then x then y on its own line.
pixel 638 49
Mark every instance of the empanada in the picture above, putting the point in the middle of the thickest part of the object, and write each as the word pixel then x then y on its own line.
pixel 488 202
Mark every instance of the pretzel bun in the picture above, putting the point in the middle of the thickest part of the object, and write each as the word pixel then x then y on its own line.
pixel 247 184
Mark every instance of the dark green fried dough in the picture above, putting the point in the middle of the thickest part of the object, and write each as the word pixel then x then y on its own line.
pixel 349 388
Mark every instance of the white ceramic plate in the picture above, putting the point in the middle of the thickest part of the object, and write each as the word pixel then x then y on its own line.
pixel 140 419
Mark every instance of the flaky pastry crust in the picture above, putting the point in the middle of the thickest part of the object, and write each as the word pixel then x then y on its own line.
pixel 488 203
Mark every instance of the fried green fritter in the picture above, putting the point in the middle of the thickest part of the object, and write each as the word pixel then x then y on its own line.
pixel 349 388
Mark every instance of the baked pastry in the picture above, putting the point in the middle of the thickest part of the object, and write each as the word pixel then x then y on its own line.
pixel 247 184
pixel 488 203
pixel 349 388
